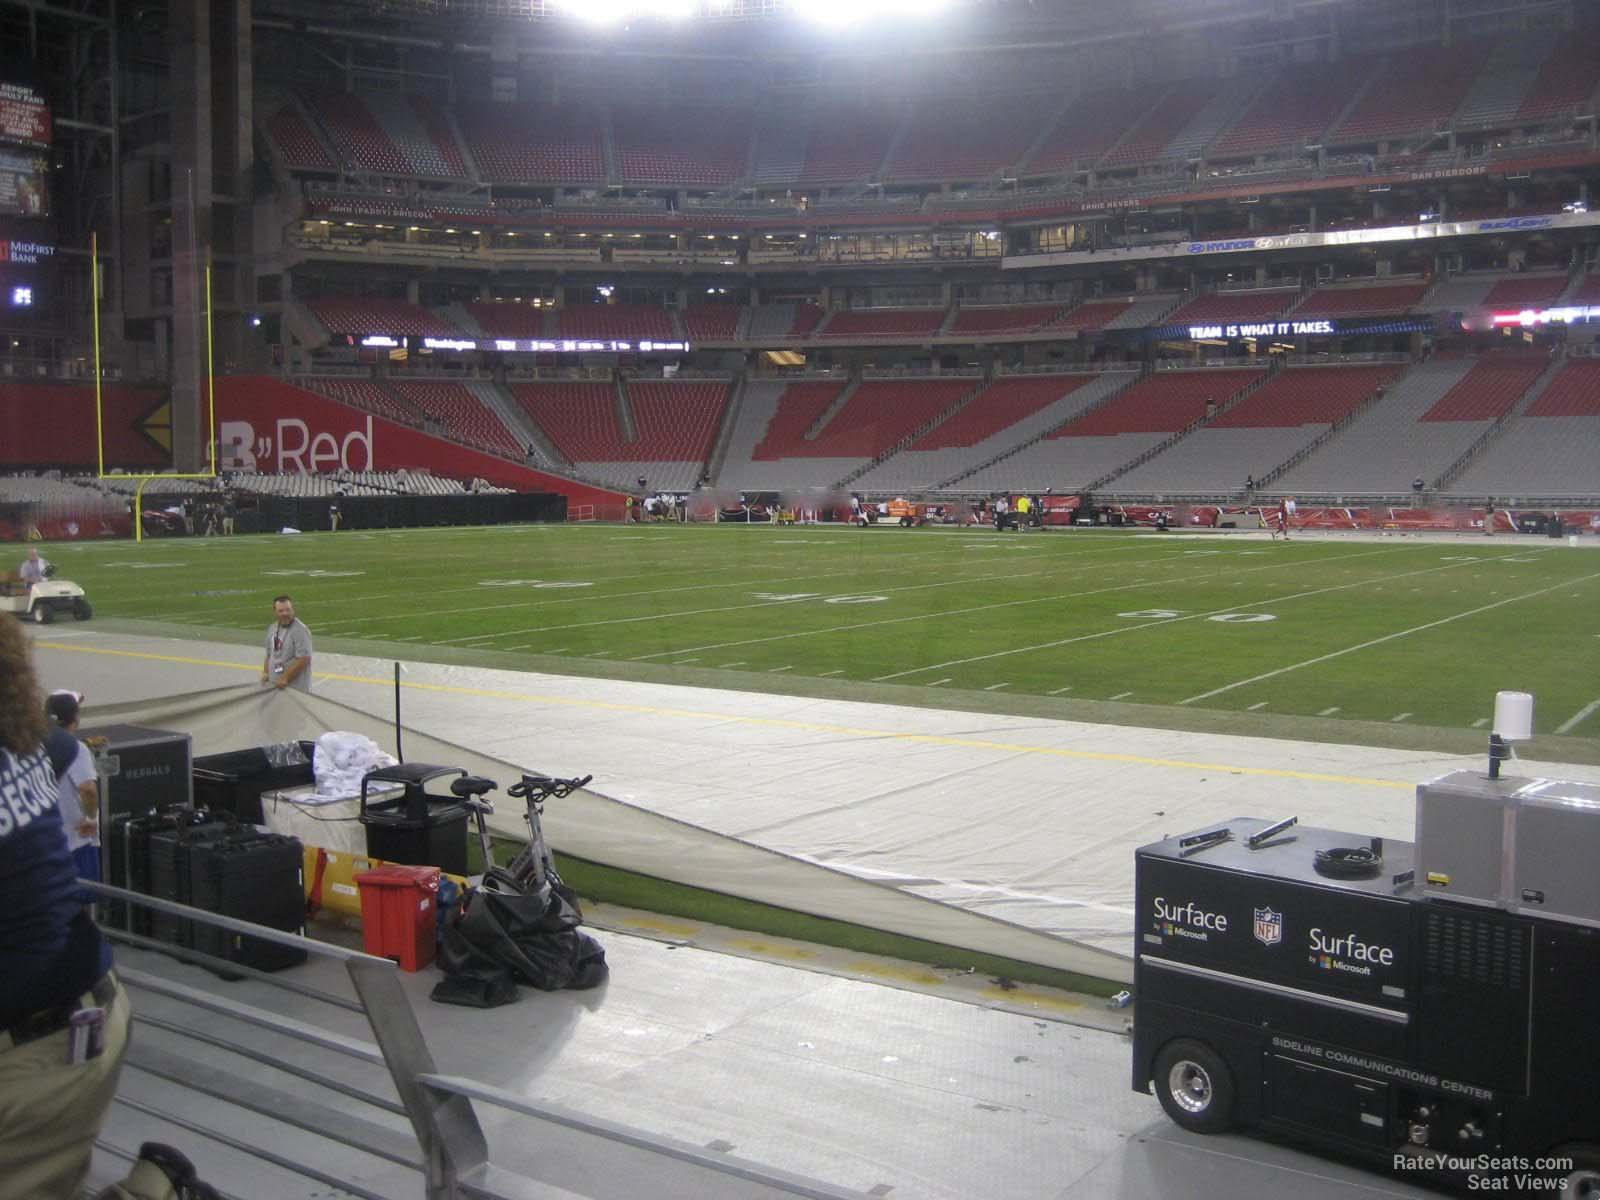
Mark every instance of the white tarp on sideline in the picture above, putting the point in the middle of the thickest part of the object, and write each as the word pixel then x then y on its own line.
pixel 1022 829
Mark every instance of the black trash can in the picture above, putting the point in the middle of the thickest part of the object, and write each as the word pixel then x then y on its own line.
pixel 233 782
pixel 415 828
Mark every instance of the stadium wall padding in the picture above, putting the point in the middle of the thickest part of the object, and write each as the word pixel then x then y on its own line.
pixel 285 429
pixel 403 512
pixel 52 425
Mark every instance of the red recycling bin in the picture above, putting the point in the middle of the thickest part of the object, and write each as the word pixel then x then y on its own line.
pixel 399 913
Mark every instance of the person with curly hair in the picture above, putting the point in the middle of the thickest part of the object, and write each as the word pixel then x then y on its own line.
pixel 63 1015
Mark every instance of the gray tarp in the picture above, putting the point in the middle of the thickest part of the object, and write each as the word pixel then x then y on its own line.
pixel 588 824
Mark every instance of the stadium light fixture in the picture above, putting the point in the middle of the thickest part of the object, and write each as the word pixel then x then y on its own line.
pixel 615 12
pixel 849 12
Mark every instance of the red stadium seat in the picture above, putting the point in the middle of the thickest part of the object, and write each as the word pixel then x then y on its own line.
pixel 1537 291
pixel 1490 389
pixel 1574 392
pixel 1567 80
pixel 296 142
pixel 462 414
pixel 616 322
pixel 1012 319
pixel 1413 91
pixel 1234 307
pixel 1295 109
pixel 1161 403
pixel 883 323
pixel 395 318
pixel 711 322
pixel 1381 301
pixel 1002 404
pixel 530 144
pixel 364 394
pixel 1306 396
pixel 881 412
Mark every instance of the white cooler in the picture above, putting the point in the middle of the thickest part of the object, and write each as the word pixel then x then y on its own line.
pixel 331 822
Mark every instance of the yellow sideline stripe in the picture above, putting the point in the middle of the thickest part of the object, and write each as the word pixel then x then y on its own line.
pixel 926 739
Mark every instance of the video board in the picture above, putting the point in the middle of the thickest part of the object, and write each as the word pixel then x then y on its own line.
pixel 24 113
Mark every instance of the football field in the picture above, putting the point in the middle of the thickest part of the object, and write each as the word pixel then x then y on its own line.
pixel 1389 630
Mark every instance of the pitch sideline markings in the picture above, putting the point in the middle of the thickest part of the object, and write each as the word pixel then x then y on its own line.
pixel 1322 658
pixel 1578 718
pixel 888 735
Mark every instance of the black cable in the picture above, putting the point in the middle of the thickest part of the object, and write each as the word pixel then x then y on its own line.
pixel 1349 862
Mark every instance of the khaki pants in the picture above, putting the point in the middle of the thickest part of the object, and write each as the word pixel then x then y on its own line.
pixel 51 1110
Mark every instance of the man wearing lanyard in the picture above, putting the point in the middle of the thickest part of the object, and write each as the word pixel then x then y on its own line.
pixel 288 661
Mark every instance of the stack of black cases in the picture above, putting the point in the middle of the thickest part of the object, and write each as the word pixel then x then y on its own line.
pixel 253 877
pixel 188 856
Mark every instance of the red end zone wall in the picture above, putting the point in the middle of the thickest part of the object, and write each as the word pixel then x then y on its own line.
pixel 273 427
pixel 52 425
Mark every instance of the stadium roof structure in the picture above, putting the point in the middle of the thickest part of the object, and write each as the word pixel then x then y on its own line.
pixel 1007 18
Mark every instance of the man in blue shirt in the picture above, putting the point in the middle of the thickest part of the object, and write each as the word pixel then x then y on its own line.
pixel 63 1016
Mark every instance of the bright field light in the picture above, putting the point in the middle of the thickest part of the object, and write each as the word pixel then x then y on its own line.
pixel 823 12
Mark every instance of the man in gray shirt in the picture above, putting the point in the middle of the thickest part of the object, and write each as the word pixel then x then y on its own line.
pixel 288 661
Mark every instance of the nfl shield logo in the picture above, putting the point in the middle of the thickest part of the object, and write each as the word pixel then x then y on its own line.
pixel 1268 927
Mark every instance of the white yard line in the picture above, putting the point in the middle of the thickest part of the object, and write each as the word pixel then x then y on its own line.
pixel 1328 712
pixel 1395 720
pixel 1322 658
pixel 983 608
pixel 1058 691
pixel 775 670
pixel 825 674
pixel 995 687
pixel 1164 621
pixel 738 662
pixel 1578 718
pixel 1254 707
pixel 694 612
pixel 719 582
pixel 1120 695
pixel 1480 722
pixel 937 682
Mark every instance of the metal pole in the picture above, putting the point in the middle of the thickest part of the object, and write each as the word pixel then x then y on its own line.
pixel 399 752
pixel 94 305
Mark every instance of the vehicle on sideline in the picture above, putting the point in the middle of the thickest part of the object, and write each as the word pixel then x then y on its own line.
pixel 44 601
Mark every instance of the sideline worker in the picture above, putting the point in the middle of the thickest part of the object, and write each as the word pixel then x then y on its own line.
pixel 288 661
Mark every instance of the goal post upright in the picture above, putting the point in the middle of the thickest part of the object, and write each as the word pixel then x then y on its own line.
pixel 146 478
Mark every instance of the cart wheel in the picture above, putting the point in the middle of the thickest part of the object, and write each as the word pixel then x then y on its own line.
pixel 905 522
pixel 1195 1086
pixel 1583 1181
pixel 82 609
pixel 43 614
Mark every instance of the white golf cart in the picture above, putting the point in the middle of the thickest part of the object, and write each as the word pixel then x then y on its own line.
pixel 44 601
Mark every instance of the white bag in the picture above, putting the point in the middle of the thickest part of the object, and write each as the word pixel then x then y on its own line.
pixel 340 761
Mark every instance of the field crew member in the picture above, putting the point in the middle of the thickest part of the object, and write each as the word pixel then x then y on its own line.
pixel 288 661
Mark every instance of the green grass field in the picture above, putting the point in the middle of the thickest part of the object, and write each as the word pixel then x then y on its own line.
pixel 1392 631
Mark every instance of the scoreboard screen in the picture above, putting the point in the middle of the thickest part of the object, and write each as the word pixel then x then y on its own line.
pixel 24 184
pixel 27 273
pixel 24 114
